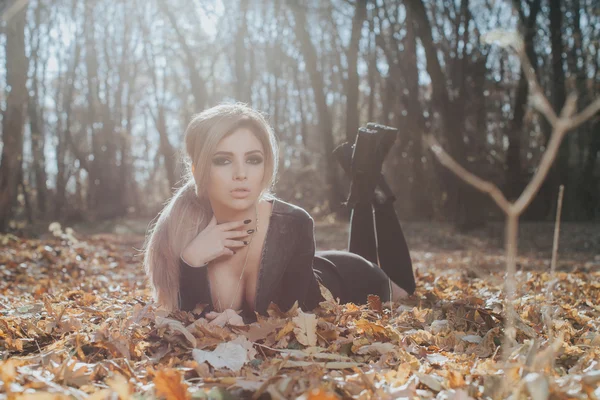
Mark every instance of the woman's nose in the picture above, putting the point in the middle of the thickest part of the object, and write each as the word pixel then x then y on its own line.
pixel 239 173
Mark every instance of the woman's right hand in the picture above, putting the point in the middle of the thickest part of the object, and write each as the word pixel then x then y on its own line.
pixel 215 241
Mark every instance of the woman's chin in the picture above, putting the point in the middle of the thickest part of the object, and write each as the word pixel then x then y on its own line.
pixel 241 204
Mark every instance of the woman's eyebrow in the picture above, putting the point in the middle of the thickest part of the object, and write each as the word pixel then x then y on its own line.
pixel 228 153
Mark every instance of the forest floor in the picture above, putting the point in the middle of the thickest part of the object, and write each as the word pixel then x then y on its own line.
pixel 76 322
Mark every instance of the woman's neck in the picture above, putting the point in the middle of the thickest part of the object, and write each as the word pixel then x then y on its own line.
pixel 225 214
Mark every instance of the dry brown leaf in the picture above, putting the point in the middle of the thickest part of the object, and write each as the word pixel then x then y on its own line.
pixel 176 326
pixel 306 328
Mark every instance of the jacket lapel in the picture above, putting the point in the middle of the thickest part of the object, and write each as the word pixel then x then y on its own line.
pixel 277 249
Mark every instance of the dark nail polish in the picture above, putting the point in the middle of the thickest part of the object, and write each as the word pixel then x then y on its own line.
pixel 250 231
pixel 247 221
pixel 245 242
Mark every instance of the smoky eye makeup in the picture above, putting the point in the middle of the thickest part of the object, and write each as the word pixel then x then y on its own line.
pixel 220 160
pixel 255 159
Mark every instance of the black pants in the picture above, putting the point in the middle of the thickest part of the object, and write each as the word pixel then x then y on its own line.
pixel 354 274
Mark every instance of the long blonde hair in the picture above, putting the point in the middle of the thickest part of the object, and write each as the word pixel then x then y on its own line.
pixel 188 211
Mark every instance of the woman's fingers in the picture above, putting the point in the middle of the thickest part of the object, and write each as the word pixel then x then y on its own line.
pixel 235 243
pixel 236 234
pixel 227 226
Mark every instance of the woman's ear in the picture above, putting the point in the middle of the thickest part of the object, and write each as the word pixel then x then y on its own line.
pixel 193 168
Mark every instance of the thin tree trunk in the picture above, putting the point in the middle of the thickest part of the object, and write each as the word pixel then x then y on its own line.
pixel 168 152
pixel 514 177
pixel 13 121
pixel 352 93
pixel 559 174
pixel 422 203
pixel 243 87
pixel 36 120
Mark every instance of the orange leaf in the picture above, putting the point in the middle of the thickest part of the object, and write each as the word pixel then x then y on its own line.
pixel 319 394
pixel 375 303
pixel 168 384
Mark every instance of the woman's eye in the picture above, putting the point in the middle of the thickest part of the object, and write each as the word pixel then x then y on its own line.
pixel 255 160
pixel 220 161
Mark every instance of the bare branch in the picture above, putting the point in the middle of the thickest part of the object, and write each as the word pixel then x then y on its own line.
pixel 473 180
pixel 540 174
pixel 538 99
pixel 586 114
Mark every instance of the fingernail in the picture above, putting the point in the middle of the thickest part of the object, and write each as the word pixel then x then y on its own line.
pixel 250 231
pixel 247 221
pixel 245 242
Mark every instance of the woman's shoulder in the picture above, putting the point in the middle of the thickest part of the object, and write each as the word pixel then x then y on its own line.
pixel 281 207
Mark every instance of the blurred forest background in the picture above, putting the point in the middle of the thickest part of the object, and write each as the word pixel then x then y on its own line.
pixel 95 96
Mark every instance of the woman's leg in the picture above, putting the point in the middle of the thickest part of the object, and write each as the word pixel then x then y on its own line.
pixel 362 232
pixel 394 257
pixel 390 250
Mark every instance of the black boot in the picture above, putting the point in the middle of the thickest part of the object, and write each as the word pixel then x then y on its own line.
pixel 344 153
pixel 386 136
pixel 364 176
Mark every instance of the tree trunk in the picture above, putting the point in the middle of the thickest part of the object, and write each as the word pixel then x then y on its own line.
pixel 36 120
pixel 371 79
pixel 167 150
pixel 461 197
pixel 515 177
pixel 587 134
pixel 352 93
pixel 559 174
pixel 13 121
pixel 242 87
pixel 422 203
pixel 318 86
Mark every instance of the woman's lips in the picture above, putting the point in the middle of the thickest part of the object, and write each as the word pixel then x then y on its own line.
pixel 240 193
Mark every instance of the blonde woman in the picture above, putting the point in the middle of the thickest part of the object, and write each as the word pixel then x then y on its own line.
pixel 224 240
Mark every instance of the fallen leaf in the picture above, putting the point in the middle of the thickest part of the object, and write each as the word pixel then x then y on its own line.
pixel 227 355
pixel 377 348
pixel 120 384
pixel 168 384
pixel 177 326
pixel 306 328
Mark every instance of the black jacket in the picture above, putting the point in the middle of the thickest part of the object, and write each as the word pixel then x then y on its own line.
pixel 285 272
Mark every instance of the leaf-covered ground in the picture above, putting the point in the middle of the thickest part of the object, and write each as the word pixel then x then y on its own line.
pixel 76 322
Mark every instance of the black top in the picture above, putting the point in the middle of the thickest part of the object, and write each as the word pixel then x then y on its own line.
pixel 285 271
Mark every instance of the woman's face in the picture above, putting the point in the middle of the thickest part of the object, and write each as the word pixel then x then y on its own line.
pixel 237 169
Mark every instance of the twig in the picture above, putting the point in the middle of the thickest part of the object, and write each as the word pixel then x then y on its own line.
pixel 556 230
pixel 551 282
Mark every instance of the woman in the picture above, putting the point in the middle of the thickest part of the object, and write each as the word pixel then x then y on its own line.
pixel 225 241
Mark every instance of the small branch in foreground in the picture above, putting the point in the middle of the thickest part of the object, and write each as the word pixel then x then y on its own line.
pixel 561 124
pixel 557 229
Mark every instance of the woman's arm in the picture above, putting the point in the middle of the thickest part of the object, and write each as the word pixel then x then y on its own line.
pixel 193 286
pixel 299 281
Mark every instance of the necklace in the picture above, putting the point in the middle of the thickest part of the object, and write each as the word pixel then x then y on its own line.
pixel 244 268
